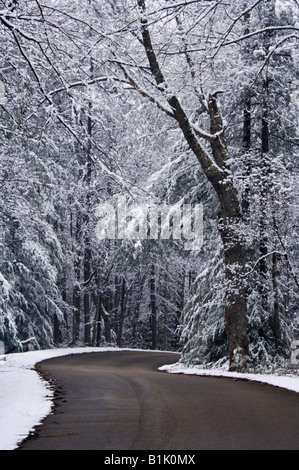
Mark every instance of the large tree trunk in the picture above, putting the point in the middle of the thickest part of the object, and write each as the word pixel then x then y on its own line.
pixel 229 227
pixel 236 305
pixel 218 172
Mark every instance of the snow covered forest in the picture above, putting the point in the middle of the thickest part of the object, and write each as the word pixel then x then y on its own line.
pixel 162 102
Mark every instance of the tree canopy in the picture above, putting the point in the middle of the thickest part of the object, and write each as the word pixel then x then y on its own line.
pixel 162 102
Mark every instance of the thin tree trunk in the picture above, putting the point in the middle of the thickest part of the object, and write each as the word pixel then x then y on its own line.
pixel 153 307
pixel 264 206
pixel 76 315
pixel 139 286
pixel 116 298
pixel 123 302
pixel 97 318
pixel 276 325
pixel 165 314
pixel 247 148
pixel 87 242
pixel 76 289
pixel 56 330
pixel 179 306
pixel 106 317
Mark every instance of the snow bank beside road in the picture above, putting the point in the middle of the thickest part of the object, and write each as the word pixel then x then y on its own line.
pixel 26 399
pixel 288 382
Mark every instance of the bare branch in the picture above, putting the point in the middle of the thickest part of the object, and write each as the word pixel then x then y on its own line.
pixel 260 31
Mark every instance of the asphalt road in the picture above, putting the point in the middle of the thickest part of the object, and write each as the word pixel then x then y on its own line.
pixel 119 401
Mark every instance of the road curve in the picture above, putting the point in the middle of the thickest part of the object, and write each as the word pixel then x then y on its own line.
pixel 120 401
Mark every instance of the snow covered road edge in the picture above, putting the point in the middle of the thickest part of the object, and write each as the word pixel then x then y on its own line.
pixel 288 382
pixel 25 397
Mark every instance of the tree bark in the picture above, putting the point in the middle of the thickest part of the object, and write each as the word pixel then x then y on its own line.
pixel 105 308
pixel 87 244
pixel 247 149
pixel 123 307
pixel 153 307
pixel 76 289
pixel 165 313
pixel 276 319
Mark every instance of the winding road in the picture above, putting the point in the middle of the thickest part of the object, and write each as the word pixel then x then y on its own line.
pixel 120 401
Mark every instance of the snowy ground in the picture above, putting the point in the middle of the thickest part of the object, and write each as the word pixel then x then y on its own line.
pixel 25 399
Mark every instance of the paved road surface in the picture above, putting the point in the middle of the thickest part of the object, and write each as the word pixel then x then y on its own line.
pixel 119 401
